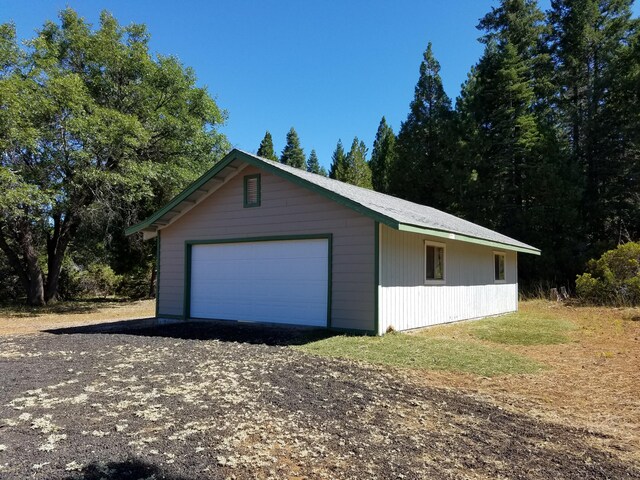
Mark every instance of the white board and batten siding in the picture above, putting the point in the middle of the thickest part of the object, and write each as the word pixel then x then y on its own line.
pixel 469 290
pixel 286 210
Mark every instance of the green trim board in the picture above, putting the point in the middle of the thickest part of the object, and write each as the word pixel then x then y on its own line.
pixel 186 193
pixel 327 193
pixel 274 238
pixel 376 277
pixel 403 227
pixel 158 251
pixel 238 155
pixel 245 191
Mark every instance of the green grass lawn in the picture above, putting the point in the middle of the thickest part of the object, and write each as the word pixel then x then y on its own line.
pixel 415 351
pixel 522 329
pixel 471 347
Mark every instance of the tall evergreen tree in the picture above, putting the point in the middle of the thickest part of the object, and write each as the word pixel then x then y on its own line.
pixel 423 169
pixel 266 148
pixel 383 157
pixel 588 39
pixel 510 146
pixel 293 154
pixel 356 170
pixel 313 164
pixel 337 162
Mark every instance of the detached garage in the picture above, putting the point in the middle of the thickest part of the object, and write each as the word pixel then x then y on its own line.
pixel 257 241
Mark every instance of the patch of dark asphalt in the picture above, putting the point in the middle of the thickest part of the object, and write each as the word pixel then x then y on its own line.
pixel 121 406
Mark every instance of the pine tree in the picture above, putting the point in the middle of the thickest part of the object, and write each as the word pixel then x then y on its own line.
pixel 356 170
pixel 510 147
pixel 383 157
pixel 588 38
pixel 313 164
pixel 337 162
pixel 422 172
pixel 266 148
pixel 292 154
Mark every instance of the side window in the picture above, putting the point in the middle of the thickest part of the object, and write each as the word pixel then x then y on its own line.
pixel 498 266
pixel 434 254
pixel 252 191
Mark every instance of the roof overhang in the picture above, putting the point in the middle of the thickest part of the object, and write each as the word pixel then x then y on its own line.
pixel 236 160
pixel 465 238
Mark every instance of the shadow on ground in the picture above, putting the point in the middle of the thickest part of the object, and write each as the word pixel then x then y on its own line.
pixel 85 305
pixel 126 470
pixel 223 331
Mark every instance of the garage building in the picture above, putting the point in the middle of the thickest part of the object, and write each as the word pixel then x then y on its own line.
pixel 258 241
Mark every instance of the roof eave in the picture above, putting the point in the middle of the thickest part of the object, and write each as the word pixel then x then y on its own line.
pixel 149 229
pixel 175 201
pixel 467 239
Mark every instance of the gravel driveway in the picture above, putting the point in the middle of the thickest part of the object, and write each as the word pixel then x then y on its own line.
pixel 237 402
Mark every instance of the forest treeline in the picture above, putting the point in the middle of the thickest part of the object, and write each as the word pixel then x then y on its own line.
pixel 542 144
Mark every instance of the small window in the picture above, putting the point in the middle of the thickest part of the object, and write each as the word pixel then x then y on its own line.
pixel 434 263
pixel 498 266
pixel 252 191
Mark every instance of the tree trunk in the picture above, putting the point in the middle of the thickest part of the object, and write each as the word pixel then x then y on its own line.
pixel 57 244
pixel 154 279
pixel 25 263
pixel 35 291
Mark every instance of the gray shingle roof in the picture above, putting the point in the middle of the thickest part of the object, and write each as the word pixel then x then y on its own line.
pixel 402 211
pixel 389 210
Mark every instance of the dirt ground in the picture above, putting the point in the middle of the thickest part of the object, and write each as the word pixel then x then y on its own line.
pixel 31 320
pixel 593 381
pixel 182 402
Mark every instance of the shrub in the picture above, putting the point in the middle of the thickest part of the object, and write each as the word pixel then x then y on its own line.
pixel 136 284
pixel 613 279
pixel 97 279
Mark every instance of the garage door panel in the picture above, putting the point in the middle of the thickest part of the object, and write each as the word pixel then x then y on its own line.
pixel 274 281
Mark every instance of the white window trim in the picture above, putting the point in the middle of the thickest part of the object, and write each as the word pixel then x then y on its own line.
pixel 431 281
pixel 493 263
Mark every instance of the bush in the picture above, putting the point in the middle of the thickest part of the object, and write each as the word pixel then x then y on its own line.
pixel 95 280
pixel 613 279
pixel 136 284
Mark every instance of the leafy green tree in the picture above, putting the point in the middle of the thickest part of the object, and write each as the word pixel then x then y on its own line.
pixel 91 125
pixel 266 148
pixel 383 157
pixel 293 154
pixel 423 169
pixel 313 164
pixel 589 40
pixel 338 158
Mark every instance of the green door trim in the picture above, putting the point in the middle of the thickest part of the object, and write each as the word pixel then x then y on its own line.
pixel 188 246
pixel 376 277
pixel 158 252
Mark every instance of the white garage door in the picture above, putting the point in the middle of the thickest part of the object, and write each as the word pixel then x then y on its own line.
pixel 274 281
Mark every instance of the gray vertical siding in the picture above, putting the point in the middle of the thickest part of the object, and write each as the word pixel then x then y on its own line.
pixel 286 209
pixel 469 290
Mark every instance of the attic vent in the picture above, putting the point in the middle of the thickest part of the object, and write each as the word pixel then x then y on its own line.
pixel 252 191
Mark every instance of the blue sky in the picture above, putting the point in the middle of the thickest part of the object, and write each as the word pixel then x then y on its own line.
pixel 331 69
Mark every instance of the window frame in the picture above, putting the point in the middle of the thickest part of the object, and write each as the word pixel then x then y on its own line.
pixel 257 203
pixel 435 281
pixel 497 253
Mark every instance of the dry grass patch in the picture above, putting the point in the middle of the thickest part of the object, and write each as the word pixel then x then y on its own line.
pixel 25 320
pixel 593 374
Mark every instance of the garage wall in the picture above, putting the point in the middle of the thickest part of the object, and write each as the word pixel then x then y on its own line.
pixel 286 209
pixel 469 291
